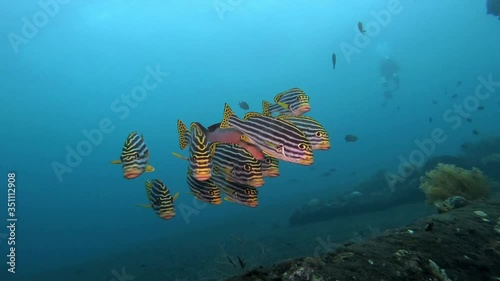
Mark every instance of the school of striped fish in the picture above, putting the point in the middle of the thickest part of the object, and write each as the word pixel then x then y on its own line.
pixel 230 161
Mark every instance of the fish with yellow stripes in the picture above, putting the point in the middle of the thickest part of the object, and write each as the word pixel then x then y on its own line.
pixel 205 191
pixel 235 192
pixel 270 167
pixel 314 131
pixel 290 102
pixel 134 157
pixel 230 135
pixel 160 199
pixel 200 151
pixel 238 164
pixel 276 138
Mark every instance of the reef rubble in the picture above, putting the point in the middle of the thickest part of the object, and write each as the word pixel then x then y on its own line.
pixel 463 244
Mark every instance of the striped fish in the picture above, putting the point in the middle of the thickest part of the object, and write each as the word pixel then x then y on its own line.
pixel 200 151
pixel 236 192
pixel 229 135
pixel 314 131
pixel 134 157
pixel 276 138
pixel 160 199
pixel 205 191
pixel 238 164
pixel 270 167
pixel 291 102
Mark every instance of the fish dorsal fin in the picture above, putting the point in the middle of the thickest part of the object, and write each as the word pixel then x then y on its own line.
pixel 228 113
pixel 249 115
pixel 266 108
pixel 183 132
pixel 277 98
pixel 115 161
pixel 149 169
pixel 144 205
pixel 180 156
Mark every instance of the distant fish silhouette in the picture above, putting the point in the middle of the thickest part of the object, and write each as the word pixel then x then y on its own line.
pixel 459 83
pixel 244 105
pixel 360 27
pixel 334 60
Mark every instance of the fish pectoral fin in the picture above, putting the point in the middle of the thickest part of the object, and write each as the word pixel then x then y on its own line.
pixel 282 104
pixel 180 156
pixel 176 196
pixel 229 199
pixel 149 169
pixel 144 205
pixel 246 139
pixel 115 161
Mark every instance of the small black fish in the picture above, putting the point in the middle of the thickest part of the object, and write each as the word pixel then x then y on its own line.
pixel 475 132
pixel 459 83
pixel 468 119
pixel 481 107
pixel 434 102
pixel 351 138
pixel 360 27
pixel 334 60
pixel 454 96
pixel 430 119
pixel 244 105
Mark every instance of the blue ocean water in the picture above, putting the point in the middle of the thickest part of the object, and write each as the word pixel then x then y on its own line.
pixel 70 68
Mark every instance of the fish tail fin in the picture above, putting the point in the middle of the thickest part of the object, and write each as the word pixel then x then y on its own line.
pixel 266 108
pixel 183 132
pixel 228 114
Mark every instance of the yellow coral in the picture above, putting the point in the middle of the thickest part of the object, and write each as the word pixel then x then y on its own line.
pixel 447 180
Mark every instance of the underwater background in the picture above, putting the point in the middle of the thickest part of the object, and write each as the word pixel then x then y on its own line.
pixel 67 66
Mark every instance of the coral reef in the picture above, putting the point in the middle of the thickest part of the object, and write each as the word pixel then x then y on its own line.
pixel 447 180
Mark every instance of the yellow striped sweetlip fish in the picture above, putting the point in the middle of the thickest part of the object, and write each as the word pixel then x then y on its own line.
pixel 276 138
pixel 238 164
pixel 160 199
pixel 314 131
pixel 290 102
pixel 200 151
pixel 270 167
pixel 235 192
pixel 134 157
pixel 205 191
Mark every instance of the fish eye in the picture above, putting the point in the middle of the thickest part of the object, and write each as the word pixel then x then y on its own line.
pixel 248 192
pixel 320 134
pixel 302 146
pixel 194 158
pixel 247 167
pixel 268 160
pixel 211 192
